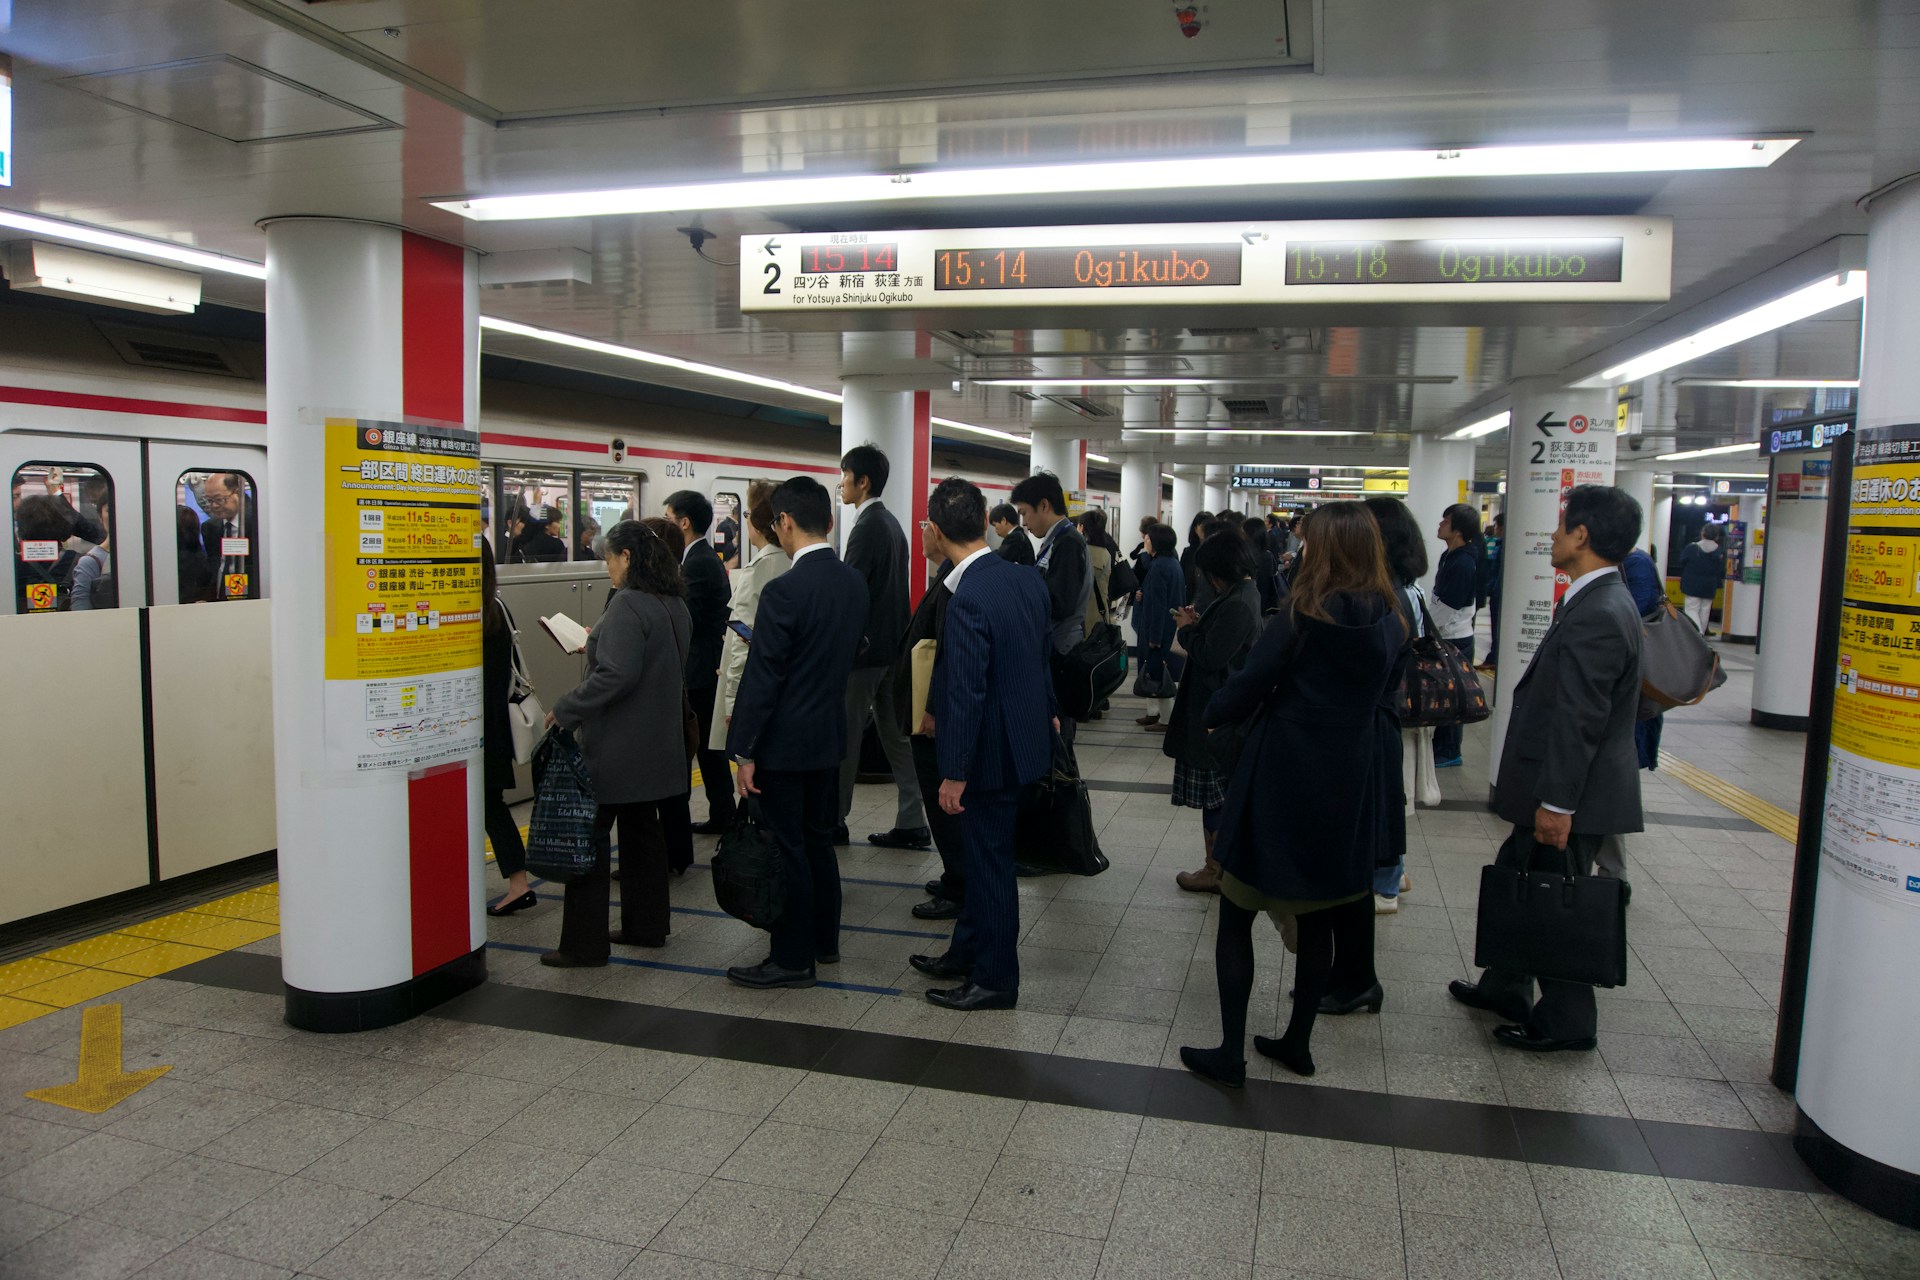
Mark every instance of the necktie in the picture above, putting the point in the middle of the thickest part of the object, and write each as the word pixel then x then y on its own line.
pixel 226 561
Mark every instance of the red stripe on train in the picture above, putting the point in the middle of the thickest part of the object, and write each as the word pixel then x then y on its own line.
pixel 126 404
pixel 588 446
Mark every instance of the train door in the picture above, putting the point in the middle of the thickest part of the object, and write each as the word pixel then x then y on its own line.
pixel 71 629
pixel 210 657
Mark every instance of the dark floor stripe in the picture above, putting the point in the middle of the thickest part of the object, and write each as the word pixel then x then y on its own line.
pixel 1735 1157
pixel 721 915
pixel 1138 788
pixel 703 970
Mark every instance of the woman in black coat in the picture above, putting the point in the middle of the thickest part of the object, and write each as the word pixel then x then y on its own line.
pixel 1196 583
pixel 1216 642
pixel 496 692
pixel 1314 805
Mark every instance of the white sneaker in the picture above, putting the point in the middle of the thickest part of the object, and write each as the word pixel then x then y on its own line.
pixel 1405 884
pixel 1385 906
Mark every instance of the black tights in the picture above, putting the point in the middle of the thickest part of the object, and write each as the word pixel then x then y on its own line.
pixel 1335 954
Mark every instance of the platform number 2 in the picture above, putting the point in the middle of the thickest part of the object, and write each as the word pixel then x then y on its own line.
pixel 773 278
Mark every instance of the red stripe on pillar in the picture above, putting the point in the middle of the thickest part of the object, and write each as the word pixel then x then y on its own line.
pixel 921 475
pixel 1080 472
pixel 438 852
pixel 433 354
pixel 433 328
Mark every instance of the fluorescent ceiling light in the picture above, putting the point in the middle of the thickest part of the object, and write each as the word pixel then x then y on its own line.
pixel 994 432
pixel 1706 453
pixel 1822 295
pixel 1123 382
pixel 1098 457
pixel 1484 427
pixel 1200 172
pixel 1235 431
pixel 120 242
pixel 1768 383
pixel 1168 475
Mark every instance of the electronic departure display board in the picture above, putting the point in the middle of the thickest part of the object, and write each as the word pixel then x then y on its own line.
pixel 1207 265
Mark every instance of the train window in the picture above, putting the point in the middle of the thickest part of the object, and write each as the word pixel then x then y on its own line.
pixel 606 498
pixel 217 536
pixel 726 528
pixel 486 501
pixel 63 522
pixel 527 494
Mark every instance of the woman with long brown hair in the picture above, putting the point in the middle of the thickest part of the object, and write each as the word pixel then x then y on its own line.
pixel 1313 806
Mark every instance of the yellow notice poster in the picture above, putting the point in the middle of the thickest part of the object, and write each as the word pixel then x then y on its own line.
pixel 402 538
pixel 1872 831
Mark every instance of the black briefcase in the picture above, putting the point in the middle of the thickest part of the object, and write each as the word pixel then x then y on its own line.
pixel 749 873
pixel 1552 923
pixel 1053 827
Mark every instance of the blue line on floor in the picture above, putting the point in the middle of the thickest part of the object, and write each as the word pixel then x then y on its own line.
pixel 702 970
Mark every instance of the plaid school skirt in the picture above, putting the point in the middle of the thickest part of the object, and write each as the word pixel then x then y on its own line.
pixel 1196 787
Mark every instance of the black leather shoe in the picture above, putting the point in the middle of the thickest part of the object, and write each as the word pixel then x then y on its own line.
pixel 936 909
pixel 840 835
pixel 936 888
pixel 507 906
pixel 1626 893
pixel 1026 870
pixel 621 938
pixel 1299 1061
pixel 713 827
pixel 561 960
pixel 938 966
pixel 1471 996
pixel 769 974
pixel 1371 999
pixel 903 838
pixel 830 957
pixel 973 996
pixel 1214 1065
pixel 1518 1037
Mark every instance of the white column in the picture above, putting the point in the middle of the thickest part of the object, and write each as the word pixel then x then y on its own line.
pixel 1740 612
pixel 1660 529
pixel 1796 543
pixel 898 423
pixel 1219 494
pixel 1559 437
pixel 1862 1023
pixel 1639 487
pixel 379 839
pixel 1059 453
pixel 1189 500
pixel 1139 495
pixel 1436 469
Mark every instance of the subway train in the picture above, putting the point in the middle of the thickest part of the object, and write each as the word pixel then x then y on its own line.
pixel 137 668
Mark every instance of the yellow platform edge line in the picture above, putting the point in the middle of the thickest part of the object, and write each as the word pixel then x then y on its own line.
pixel 1749 806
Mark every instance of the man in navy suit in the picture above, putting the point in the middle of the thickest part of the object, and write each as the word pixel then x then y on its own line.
pixel 789 727
pixel 988 709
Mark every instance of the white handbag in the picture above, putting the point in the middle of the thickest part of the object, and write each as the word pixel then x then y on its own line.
pixel 525 716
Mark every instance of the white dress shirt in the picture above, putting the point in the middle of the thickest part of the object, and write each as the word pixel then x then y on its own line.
pixel 953 574
pixel 809 549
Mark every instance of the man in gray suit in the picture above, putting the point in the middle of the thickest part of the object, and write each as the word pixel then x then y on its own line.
pixel 1569 776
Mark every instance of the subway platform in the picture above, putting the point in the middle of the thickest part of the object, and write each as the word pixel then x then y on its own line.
pixel 650 1121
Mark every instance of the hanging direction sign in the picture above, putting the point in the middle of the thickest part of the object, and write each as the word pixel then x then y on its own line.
pixel 1390 260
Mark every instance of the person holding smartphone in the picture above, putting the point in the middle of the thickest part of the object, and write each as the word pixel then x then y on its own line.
pixel 768 562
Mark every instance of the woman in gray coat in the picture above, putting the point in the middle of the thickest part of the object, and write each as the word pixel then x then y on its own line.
pixel 628 713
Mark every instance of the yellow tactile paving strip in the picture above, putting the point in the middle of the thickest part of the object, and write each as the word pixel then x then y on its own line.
pixel 80 971
pixel 1745 803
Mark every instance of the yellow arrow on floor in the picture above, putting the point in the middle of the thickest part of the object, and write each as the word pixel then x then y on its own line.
pixel 103 1083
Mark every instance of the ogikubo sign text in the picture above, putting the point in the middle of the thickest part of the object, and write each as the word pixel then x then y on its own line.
pixel 1600 259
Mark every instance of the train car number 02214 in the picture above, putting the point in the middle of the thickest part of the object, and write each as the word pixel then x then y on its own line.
pixel 679 470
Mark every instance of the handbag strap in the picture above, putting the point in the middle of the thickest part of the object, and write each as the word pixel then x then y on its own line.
pixel 522 682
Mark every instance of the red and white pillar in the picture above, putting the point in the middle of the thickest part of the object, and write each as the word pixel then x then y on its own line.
pixel 378 777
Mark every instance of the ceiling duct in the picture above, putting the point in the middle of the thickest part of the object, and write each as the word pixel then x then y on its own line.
pixel 1222 331
pixel 1084 407
pixel 1246 407
pixel 174 352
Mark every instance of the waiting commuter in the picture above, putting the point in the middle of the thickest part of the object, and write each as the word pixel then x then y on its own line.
pixel 496 693
pixel 1142 553
pixel 1491 568
pixel 769 564
pixel 1456 585
pixel 989 702
pixel 1316 793
pixel 707 598
pixel 1702 566
pixel 1015 545
pixel 790 731
pixel 929 622
pixel 43 572
pixel 676 812
pixel 93 583
pixel 625 709
pixel 1062 558
pixel 876 549
pixel 1162 588
pixel 1100 560
pixel 1266 574
pixel 1649 592
pixel 1568 781
pixel 1196 583
pixel 1217 642
pixel 1406 549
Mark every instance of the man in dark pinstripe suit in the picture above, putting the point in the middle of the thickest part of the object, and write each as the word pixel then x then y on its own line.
pixel 988 710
